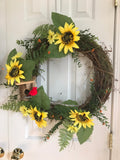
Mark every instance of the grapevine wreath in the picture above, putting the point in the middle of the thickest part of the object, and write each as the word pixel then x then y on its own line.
pixel 55 41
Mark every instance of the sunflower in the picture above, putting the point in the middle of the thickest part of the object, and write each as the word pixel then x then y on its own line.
pixel 67 38
pixel 14 72
pixel 38 117
pixel 51 37
pixel 72 129
pixel 81 119
pixel 24 110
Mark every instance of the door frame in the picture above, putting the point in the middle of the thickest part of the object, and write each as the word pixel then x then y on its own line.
pixel 115 153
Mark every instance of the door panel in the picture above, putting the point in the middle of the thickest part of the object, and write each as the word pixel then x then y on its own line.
pixel 62 79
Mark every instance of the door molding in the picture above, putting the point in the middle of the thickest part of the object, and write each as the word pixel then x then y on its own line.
pixel 116 90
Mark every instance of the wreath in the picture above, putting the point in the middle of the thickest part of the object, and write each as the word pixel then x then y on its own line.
pixel 55 41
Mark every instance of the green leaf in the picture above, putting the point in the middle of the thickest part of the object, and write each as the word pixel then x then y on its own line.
pixel 70 102
pixel 54 52
pixel 64 138
pixel 41 99
pixel 28 67
pixel 59 19
pixel 84 133
pixel 11 54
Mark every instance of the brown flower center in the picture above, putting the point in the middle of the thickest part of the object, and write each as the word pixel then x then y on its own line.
pixel 37 118
pixel 14 72
pixel 81 117
pixel 67 37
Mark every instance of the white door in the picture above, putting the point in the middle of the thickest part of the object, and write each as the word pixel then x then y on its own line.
pixel 20 19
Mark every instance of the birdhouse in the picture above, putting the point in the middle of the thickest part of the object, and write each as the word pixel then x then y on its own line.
pixel 25 87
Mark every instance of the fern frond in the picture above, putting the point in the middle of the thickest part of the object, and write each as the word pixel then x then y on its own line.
pixel 64 138
pixel 56 126
pixel 13 105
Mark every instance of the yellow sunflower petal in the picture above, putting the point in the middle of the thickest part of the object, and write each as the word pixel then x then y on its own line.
pixel 91 123
pixel 16 63
pixel 57 42
pixel 66 25
pixel 71 25
pixel 75 45
pixel 11 63
pixel 75 29
pixel 7 76
pixel 35 109
pixel 76 32
pixel 17 79
pixel 38 124
pixel 44 114
pixel 20 66
pixel 84 125
pixel 44 123
pixel 22 77
pixel 71 112
pixel 76 122
pixel 76 111
pixel 18 55
pixel 72 116
pixel 30 110
pixel 12 81
pixel 21 72
pixel 41 124
pixel 70 49
pixel 50 32
pixel 79 125
pixel 61 29
pixel 66 49
pixel 61 47
pixel 8 67
pixel 77 38
pixel 73 119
